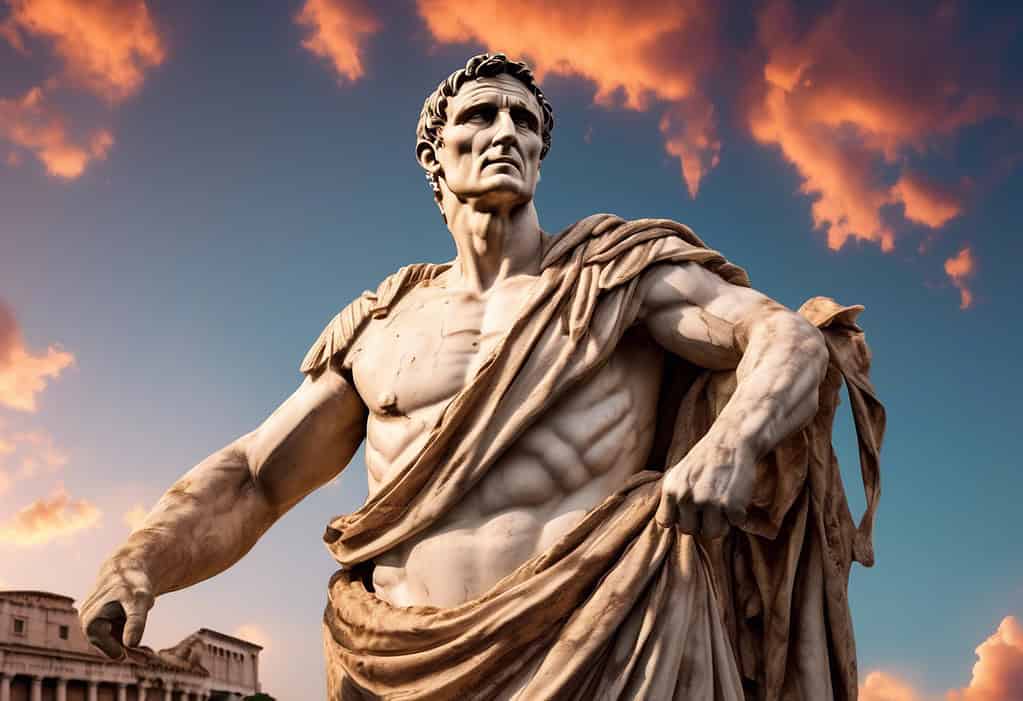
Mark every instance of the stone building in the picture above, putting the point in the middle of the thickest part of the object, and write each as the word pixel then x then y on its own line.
pixel 44 656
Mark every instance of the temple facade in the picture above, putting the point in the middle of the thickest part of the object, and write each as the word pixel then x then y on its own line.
pixel 44 656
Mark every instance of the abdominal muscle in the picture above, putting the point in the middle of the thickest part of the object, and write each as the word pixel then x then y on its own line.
pixel 569 461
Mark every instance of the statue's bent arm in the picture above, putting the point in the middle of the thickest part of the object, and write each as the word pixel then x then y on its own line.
pixel 217 511
pixel 779 360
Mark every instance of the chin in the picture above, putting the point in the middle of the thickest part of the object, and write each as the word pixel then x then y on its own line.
pixel 505 183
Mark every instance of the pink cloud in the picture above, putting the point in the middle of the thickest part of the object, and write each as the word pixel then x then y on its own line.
pixel 842 115
pixel 960 269
pixel 338 30
pixel 46 519
pixel 880 686
pixel 641 53
pixel 998 673
pixel 23 374
pixel 106 45
pixel 25 454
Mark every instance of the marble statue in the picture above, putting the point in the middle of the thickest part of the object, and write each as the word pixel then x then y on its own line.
pixel 599 462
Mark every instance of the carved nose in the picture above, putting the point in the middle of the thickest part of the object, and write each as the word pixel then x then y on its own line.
pixel 505 129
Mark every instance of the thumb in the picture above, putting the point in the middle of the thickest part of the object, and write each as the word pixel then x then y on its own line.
pixel 135 623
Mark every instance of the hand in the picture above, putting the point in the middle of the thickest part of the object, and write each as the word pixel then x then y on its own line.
pixel 711 487
pixel 114 614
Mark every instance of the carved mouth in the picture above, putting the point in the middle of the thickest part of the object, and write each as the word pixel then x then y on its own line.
pixel 502 159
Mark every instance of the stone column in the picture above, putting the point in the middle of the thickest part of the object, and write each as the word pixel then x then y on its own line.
pixel 168 691
pixel 61 689
pixel 37 689
pixel 5 687
pixel 122 692
pixel 93 690
pixel 143 689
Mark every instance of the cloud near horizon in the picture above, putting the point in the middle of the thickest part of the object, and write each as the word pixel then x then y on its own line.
pixel 24 375
pixel 997 675
pixel 338 30
pixel 26 454
pixel 49 518
pixel 639 54
pixel 105 48
pixel 881 686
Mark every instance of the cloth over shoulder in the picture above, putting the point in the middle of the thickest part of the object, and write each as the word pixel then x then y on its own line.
pixel 619 608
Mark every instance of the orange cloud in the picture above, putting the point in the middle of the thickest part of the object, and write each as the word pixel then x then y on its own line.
pixel 33 124
pixel 636 53
pixel 880 686
pixel 24 375
pixel 338 30
pixel 998 674
pixel 925 203
pixel 843 116
pixel 105 45
pixel 58 516
pixel 960 268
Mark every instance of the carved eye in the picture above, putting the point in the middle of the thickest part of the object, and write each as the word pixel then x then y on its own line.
pixel 483 114
pixel 524 119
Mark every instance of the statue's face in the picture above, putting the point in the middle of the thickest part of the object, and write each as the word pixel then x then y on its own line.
pixel 491 142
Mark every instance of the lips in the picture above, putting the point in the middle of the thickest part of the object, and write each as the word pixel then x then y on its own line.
pixel 502 159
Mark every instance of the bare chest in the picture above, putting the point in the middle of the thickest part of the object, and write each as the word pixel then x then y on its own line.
pixel 430 346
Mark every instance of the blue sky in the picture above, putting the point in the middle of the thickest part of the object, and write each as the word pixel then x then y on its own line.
pixel 253 187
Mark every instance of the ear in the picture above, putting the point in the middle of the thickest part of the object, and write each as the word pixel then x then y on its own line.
pixel 426 154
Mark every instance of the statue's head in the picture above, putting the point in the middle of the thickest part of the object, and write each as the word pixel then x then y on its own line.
pixel 484 130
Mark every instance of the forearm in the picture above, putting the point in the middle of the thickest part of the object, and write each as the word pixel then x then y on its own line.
pixel 783 363
pixel 202 525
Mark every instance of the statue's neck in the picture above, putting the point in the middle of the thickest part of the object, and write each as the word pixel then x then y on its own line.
pixel 494 245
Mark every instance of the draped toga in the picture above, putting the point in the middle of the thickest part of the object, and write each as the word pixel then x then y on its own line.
pixel 619 607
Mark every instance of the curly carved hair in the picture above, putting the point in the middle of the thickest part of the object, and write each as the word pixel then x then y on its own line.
pixel 434 114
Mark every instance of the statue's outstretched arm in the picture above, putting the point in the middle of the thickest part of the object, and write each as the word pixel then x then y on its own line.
pixel 779 360
pixel 217 511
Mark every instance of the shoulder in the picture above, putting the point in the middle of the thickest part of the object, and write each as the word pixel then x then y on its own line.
pixel 629 248
pixel 344 328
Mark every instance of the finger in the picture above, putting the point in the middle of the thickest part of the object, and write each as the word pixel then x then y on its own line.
pixel 736 515
pixel 135 623
pixel 667 509
pixel 687 513
pixel 133 629
pixel 688 517
pixel 714 523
